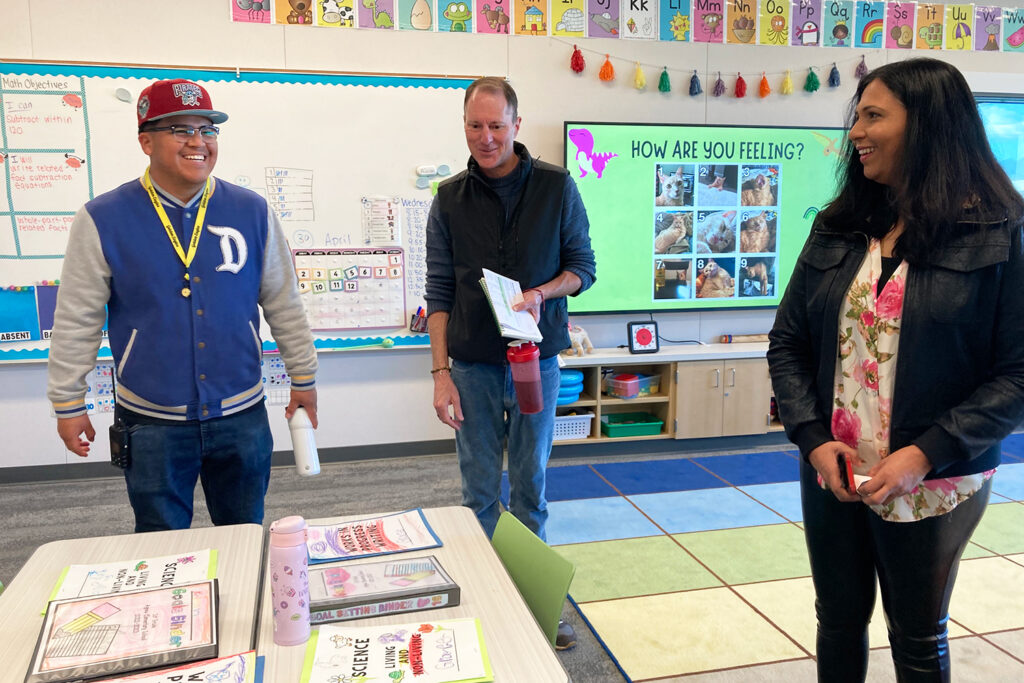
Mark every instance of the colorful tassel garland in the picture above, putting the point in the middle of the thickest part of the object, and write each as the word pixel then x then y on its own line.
pixel 695 88
pixel 639 80
pixel 607 72
pixel 862 68
pixel 812 83
pixel 765 90
pixel 576 62
pixel 741 86
pixel 833 76
pixel 719 88
pixel 663 84
pixel 787 84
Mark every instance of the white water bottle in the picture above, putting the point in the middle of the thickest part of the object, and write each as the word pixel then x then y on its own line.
pixel 307 462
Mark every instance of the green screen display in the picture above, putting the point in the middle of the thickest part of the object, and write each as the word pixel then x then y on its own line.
pixel 697 217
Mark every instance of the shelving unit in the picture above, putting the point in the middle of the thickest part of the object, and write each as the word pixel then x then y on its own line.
pixel 593 400
pixel 687 408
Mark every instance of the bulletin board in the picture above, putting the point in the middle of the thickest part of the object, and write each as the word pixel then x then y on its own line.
pixel 318 147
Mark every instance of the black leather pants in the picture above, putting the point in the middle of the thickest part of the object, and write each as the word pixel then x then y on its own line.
pixel 916 565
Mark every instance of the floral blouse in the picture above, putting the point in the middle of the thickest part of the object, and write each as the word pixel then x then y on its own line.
pixel 869 332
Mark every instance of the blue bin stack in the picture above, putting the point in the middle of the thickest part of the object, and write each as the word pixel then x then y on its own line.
pixel 570 387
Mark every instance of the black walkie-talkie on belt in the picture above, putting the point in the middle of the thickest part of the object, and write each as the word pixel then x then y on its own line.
pixel 120 450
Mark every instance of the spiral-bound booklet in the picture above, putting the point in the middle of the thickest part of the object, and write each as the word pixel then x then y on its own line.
pixel 502 293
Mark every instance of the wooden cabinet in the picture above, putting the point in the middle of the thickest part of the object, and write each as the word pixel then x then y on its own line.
pixel 706 391
pixel 699 399
pixel 722 398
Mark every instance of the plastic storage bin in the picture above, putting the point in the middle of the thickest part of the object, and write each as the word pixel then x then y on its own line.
pixel 630 424
pixel 623 386
pixel 572 426
pixel 632 386
pixel 649 385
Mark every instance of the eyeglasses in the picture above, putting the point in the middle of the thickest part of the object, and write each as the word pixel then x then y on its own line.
pixel 186 133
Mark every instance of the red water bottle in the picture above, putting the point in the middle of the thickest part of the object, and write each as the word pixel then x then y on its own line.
pixel 524 359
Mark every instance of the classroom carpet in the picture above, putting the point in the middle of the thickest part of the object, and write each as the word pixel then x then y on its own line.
pixel 696 569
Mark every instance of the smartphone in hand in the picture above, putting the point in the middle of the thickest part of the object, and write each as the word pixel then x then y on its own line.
pixel 846 472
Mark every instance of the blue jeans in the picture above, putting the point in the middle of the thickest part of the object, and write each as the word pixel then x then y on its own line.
pixel 230 454
pixel 491 415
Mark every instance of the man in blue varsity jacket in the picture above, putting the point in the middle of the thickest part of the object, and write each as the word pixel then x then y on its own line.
pixel 178 261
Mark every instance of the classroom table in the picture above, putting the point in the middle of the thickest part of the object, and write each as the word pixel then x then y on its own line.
pixel 515 644
pixel 239 568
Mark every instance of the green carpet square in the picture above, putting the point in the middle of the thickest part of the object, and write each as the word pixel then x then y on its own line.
pixel 1001 529
pixel 762 553
pixel 631 567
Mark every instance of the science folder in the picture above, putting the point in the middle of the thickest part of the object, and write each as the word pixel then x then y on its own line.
pixel 115 633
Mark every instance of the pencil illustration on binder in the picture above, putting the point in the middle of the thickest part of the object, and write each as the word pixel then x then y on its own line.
pixel 93 616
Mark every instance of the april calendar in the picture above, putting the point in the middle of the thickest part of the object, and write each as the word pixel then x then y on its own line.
pixel 345 289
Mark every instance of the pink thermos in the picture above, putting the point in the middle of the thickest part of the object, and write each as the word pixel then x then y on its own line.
pixel 524 359
pixel 289 580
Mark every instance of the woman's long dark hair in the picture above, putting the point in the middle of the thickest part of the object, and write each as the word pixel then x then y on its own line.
pixel 947 164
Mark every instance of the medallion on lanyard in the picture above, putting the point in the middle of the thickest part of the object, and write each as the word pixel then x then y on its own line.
pixel 197 229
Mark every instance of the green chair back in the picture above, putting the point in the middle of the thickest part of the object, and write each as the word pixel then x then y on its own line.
pixel 539 572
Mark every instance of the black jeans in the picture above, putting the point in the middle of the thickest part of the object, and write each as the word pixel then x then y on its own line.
pixel 916 565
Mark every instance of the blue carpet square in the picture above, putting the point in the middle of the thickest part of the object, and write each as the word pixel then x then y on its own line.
pixel 1008 481
pixel 572 482
pixel 1013 448
pixel 656 476
pixel 596 519
pixel 707 510
pixel 754 468
pixel 782 497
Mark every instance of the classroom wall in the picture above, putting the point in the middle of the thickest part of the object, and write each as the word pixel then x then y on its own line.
pixel 377 397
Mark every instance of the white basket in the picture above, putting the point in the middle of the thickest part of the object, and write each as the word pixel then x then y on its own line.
pixel 572 426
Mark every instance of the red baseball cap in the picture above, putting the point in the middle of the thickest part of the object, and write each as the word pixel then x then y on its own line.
pixel 174 98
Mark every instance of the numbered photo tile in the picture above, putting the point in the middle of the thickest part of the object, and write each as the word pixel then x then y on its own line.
pixel 673 232
pixel 717 185
pixel 715 232
pixel 673 185
pixel 672 279
pixel 716 277
pixel 757 231
pixel 757 276
pixel 760 185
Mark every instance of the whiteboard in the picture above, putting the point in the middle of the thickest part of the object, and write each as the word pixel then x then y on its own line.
pixel 69 134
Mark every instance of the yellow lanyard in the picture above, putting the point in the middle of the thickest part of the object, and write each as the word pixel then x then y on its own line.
pixel 197 229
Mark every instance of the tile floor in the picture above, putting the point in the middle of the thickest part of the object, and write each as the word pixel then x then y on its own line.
pixel 696 569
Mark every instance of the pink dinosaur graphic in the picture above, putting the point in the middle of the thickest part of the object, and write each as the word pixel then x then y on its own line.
pixel 593 161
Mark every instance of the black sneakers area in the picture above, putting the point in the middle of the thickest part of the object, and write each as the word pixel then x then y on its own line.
pixel 566 637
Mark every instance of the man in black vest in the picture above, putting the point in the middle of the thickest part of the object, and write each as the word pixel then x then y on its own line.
pixel 522 218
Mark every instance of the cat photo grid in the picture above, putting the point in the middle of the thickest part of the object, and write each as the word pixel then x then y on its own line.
pixel 715 230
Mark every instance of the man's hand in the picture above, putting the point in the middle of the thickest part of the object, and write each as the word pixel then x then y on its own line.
pixel 306 399
pixel 825 459
pixel 70 430
pixel 532 301
pixel 895 476
pixel 445 395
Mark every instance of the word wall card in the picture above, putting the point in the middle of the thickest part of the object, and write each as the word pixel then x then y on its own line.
pixel 348 289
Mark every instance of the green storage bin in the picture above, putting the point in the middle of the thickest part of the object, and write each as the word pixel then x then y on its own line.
pixel 630 424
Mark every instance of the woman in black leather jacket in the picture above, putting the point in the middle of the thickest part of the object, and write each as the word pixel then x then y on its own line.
pixel 899 347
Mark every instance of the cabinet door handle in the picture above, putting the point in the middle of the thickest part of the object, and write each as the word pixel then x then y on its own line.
pixel 732 377
pixel 718 375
